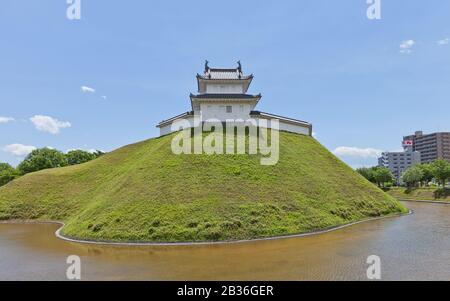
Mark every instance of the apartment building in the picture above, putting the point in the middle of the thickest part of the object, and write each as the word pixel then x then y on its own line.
pixel 431 146
pixel 398 162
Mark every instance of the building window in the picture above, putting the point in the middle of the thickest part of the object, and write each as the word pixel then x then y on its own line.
pixel 229 109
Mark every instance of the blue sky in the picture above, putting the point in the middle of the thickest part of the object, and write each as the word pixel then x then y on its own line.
pixel 318 60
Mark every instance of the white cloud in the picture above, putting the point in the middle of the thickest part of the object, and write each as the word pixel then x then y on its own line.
pixel 445 41
pixel 406 46
pixel 49 124
pixel 104 97
pixel 19 150
pixel 92 150
pixel 347 151
pixel 86 89
pixel 356 166
pixel 6 119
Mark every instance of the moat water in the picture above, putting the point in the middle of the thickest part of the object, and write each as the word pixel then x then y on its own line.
pixel 413 247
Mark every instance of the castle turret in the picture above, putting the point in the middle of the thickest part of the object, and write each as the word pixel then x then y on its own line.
pixel 222 94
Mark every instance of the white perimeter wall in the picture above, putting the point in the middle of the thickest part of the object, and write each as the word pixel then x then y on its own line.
pixel 167 129
pixel 288 127
pixel 293 128
pixel 283 126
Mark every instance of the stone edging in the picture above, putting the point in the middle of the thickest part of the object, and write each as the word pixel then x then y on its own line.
pixel 150 244
pixel 59 235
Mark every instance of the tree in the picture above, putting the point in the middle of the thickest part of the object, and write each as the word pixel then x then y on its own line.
pixel 412 176
pixel 383 175
pixel 368 173
pixel 427 173
pixel 98 153
pixel 7 173
pixel 42 158
pixel 441 171
pixel 5 166
pixel 79 156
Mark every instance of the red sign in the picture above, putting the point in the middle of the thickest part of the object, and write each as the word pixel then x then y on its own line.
pixel 408 143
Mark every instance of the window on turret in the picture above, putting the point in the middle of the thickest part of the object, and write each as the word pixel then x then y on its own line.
pixel 229 109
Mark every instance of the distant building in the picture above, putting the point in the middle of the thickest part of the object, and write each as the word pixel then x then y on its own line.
pixel 431 146
pixel 222 96
pixel 398 162
pixel 418 148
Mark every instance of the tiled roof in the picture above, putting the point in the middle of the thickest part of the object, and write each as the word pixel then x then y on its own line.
pixel 225 96
pixel 190 113
pixel 224 74
pixel 268 115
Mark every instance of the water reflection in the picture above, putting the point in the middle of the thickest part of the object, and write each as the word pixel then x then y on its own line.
pixel 410 247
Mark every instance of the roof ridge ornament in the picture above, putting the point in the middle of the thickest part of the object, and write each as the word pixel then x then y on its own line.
pixel 207 66
pixel 239 68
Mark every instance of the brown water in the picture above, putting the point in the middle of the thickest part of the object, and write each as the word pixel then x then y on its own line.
pixel 410 247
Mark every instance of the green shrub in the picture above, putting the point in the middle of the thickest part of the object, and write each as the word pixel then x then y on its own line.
pixel 7 173
pixel 442 193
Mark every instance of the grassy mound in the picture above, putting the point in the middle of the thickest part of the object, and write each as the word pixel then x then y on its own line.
pixel 143 192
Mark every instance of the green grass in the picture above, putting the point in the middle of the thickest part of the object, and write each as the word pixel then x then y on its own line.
pixel 143 192
pixel 421 194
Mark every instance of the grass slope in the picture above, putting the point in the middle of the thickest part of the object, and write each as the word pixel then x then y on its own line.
pixel 143 192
